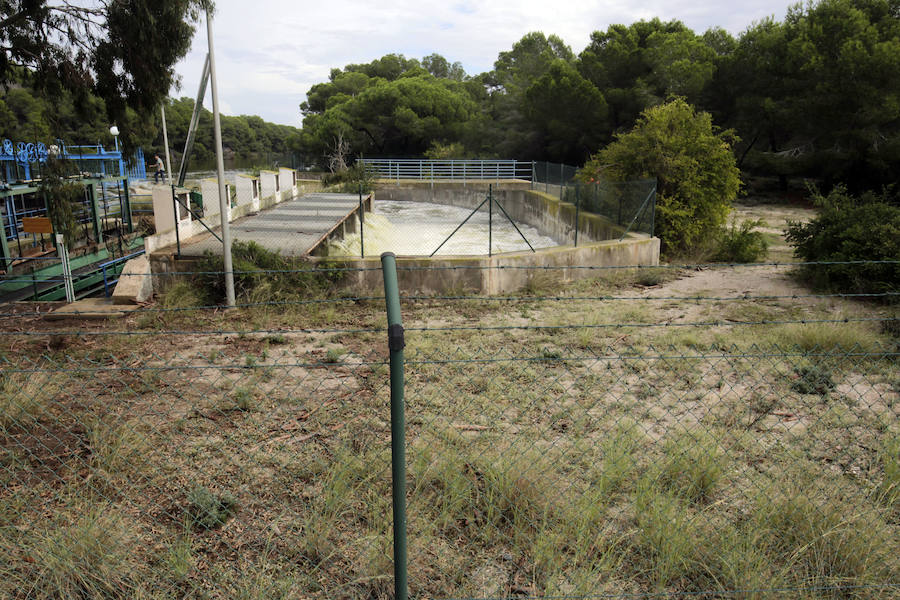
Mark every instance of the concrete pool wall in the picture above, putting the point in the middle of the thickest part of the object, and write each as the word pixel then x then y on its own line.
pixel 542 211
pixel 599 244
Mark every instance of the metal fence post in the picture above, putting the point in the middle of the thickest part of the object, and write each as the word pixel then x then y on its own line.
pixel 175 213
pixel 362 211
pixel 490 217
pixel 653 212
pixel 396 344
pixel 577 210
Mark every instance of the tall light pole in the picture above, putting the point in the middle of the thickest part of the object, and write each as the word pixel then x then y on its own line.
pixel 114 131
pixel 162 107
pixel 220 166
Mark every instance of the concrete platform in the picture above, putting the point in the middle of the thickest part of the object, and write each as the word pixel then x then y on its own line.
pixel 293 228
pixel 91 308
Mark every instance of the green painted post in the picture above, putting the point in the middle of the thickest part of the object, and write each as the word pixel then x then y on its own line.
pixel 396 344
pixel 490 217
pixel 95 212
pixel 4 246
pixel 362 212
pixel 126 209
pixel 175 212
pixel 577 210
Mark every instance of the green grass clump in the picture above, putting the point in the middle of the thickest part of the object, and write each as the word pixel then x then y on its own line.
pixel 333 355
pixel 823 544
pixel 888 491
pixel 209 510
pixel 89 557
pixel 825 336
pixel 22 400
pixel 653 276
pixel 812 380
pixel 261 275
pixel 741 244
pixel 182 294
pixel 691 466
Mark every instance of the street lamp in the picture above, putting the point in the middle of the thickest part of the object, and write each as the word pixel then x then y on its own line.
pixel 114 131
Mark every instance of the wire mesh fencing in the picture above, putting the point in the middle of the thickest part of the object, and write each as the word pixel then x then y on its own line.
pixel 575 442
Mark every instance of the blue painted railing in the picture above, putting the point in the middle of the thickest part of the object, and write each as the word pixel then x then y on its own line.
pixel 111 265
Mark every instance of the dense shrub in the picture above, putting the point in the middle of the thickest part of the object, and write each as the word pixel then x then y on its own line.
pixel 741 244
pixel 263 275
pixel 850 229
pixel 350 180
pixel 697 178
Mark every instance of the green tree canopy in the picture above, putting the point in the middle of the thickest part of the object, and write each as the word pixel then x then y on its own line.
pixel 697 178
pixel 392 106
pixel 123 52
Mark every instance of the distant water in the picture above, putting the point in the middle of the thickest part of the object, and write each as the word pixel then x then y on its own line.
pixel 418 228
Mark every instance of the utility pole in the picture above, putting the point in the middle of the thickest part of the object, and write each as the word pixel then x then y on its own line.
pixel 162 108
pixel 220 166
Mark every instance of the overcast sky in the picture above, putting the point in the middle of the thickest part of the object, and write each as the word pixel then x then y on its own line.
pixel 269 52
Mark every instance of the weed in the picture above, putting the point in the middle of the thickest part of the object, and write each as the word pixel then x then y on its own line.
pixel 86 558
pixel 334 355
pixel 179 557
pixel 741 244
pixel 820 543
pixel 243 399
pixel 539 283
pixel 888 490
pixel 182 294
pixel 891 327
pixel 551 354
pixel 825 336
pixel 691 466
pixel 276 340
pixel 649 277
pixel 22 400
pixel 209 510
pixel 114 446
pixel 812 380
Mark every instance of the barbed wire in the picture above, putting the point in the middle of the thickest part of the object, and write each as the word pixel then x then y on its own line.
pixel 721 323
pixel 700 594
pixel 401 267
pixel 427 298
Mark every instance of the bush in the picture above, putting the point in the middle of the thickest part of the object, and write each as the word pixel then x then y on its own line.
pixel 850 229
pixel 697 178
pixel 350 179
pixel 742 244
pixel 262 275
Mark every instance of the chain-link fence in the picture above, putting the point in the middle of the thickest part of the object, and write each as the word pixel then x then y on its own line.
pixel 611 439
pixel 630 205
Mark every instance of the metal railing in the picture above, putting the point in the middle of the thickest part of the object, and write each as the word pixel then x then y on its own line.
pixel 115 267
pixel 450 169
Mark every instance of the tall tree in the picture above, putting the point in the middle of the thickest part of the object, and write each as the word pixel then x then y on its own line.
pixel 640 65
pixel 124 51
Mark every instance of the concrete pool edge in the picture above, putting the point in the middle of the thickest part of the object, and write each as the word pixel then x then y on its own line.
pixel 497 274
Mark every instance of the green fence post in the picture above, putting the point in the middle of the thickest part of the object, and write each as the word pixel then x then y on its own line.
pixel 95 212
pixel 362 211
pixel 396 344
pixel 175 212
pixel 126 209
pixel 490 217
pixel 4 246
pixel 577 210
